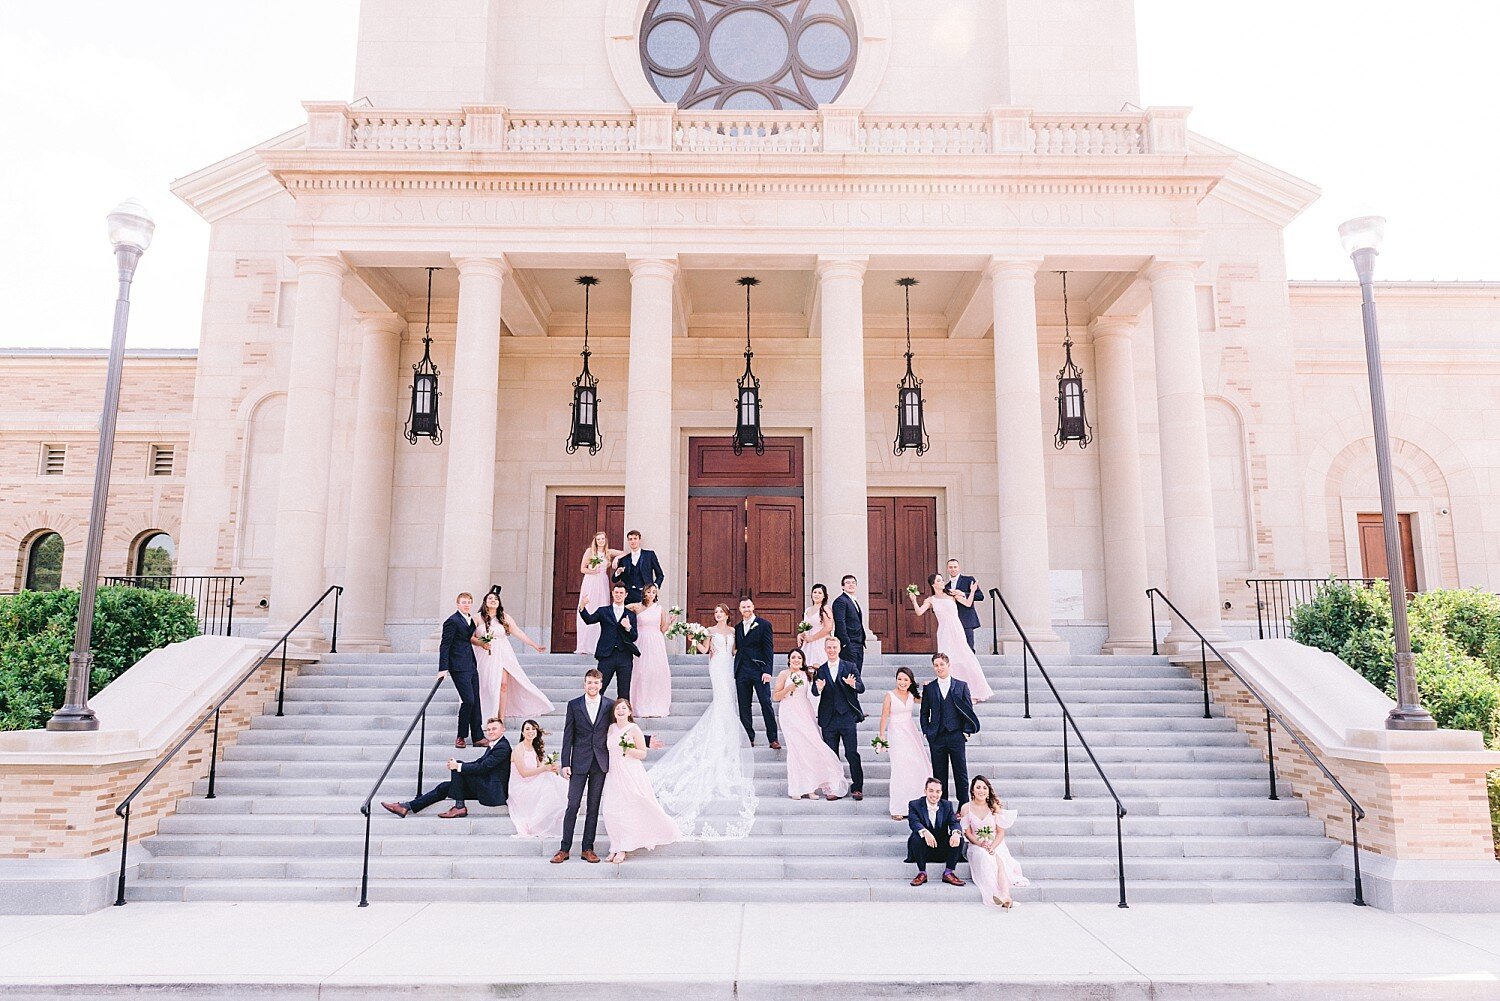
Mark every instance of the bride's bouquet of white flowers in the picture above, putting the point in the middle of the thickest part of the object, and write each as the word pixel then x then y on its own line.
pixel 692 631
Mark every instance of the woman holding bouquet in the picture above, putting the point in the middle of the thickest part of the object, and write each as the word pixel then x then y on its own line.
pixel 597 565
pixel 984 823
pixel 503 685
pixel 811 767
pixel 819 622
pixel 632 816
pixel 538 795
pixel 902 739
pixel 951 638
pixel 651 682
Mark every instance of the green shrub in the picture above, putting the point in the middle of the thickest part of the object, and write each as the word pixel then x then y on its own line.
pixel 1353 622
pixel 1469 618
pixel 1458 690
pixel 36 637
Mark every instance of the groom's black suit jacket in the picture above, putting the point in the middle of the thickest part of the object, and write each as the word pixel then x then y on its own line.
pixel 755 651
pixel 586 744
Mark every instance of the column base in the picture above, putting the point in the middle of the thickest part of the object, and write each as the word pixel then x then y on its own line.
pixel 1179 640
pixel 364 644
pixel 308 638
pixel 1128 647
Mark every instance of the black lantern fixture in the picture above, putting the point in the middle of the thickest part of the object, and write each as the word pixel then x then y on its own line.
pixel 747 402
pixel 422 420
pixel 585 432
pixel 911 426
pixel 1072 420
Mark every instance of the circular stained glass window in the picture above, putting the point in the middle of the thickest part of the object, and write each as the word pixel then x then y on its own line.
pixel 748 54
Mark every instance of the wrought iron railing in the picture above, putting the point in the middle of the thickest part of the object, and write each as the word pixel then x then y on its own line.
pixel 1276 598
pixel 1356 812
pixel 213 596
pixel 1067 722
pixel 123 810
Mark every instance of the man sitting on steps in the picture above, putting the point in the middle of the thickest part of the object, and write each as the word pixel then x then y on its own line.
pixel 487 779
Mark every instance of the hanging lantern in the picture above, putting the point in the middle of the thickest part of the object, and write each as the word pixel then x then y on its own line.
pixel 911 426
pixel 585 432
pixel 747 402
pixel 1072 420
pixel 422 419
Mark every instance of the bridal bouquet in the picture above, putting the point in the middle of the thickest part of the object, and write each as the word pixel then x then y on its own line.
pixel 911 589
pixel 693 631
pixel 626 744
pixel 880 744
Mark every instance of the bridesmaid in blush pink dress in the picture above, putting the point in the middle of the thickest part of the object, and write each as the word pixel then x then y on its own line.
pixel 984 823
pixel 651 682
pixel 820 618
pixel 504 688
pixel 538 794
pixel 632 816
pixel 811 767
pixel 910 761
pixel 951 639
pixel 597 564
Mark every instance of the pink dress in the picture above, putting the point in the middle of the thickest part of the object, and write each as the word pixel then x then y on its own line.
pixel 595 592
pixel 952 641
pixel 522 698
pixel 814 653
pixel 651 683
pixel 632 816
pixel 910 762
pixel 537 803
pixel 995 874
pixel 810 765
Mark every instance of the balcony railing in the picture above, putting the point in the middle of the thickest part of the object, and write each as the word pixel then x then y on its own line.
pixel 491 128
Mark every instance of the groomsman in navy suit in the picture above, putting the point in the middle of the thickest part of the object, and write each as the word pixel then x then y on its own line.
pixel 948 720
pixel 754 652
pixel 615 650
pixel 839 686
pixel 456 663
pixel 638 569
pixel 961 583
pixel 935 835
pixel 585 762
pixel 849 622
pixel 486 779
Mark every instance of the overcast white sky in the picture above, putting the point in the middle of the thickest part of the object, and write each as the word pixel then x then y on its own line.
pixel 1381 103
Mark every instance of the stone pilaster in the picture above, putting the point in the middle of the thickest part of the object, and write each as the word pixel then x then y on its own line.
pixel 842 539
pixel 648 413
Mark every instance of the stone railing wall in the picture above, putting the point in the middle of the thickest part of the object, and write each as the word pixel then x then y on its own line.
pixel 493 128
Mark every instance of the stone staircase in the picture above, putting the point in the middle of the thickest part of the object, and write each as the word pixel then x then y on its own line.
pixel 285 824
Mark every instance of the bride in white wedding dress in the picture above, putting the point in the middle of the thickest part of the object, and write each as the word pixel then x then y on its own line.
pixel 706 783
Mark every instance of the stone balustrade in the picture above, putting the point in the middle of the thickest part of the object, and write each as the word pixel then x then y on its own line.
pixel 492 128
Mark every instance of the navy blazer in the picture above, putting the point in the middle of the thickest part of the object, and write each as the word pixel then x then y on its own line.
pixel 585 744
pixel 944 824
pixel 839 704
pixel 487 778
pixel 848 621
pixel 456 653
pixel 967 614
pixel 612 639
pixel 638 578
pixel 932 703
pixel 754 652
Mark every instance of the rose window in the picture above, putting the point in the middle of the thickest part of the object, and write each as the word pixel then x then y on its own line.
pixel 748 55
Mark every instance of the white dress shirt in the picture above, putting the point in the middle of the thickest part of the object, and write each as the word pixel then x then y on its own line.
pixel 944 684
pixel 591 706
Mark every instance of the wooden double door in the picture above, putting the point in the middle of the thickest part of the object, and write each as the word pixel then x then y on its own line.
pixel 903 550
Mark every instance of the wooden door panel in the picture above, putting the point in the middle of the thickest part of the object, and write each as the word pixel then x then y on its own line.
pixel 774 560
pixel 716 554
pixel 916 559
pixel 882 588
pixel 1372 549
pixel 578 518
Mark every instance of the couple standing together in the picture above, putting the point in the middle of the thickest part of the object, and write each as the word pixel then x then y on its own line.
pixel 622 624
pixel 476 655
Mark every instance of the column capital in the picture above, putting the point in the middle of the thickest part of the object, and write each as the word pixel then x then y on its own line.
pixel 327 265
pixel 653 267
pixel 382 321
pixel 842 267
pixel 1013 268
pixel 1102 327
pixel 1168 269
pixel 488 267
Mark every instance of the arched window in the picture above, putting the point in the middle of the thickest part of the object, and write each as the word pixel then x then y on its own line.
pixel 44 560
pixel 155 556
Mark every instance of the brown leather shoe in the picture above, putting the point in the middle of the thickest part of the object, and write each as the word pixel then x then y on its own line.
pixel 396 808
pixel 952 879
pixel 459 743
pixel 482 742
pixel 560 857
pixel 858 795
pixel 775 745
pixel 920 880
pixel 589 856
pixel 832 798
pixel 454 813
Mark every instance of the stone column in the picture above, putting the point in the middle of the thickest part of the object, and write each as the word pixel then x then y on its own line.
pixel 469 494
pixel 298 573
pixel 648 409
pixel 376 425
pixel 1025 567
pixel 1117 437
pixel 842 527
pixel 1186 487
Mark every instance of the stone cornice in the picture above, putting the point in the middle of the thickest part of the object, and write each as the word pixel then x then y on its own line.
pixel 1256 187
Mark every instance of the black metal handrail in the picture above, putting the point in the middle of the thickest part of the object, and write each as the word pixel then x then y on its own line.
pixel 213 596
pixel 364 808
pixel 123 810
pixel 1356 812
pixel 1068 720
pixel 1276 598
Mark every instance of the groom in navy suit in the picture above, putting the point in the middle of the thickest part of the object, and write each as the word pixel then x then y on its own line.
pixel 456 662
pixel 839 687
pixel 754 653
pixel 638 569
pixel 948 720
pixel 585 761
pixel 961 583
pixel 615 651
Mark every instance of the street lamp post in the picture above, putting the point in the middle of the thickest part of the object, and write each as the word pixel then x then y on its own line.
pixel 1362 238
pixel 130 229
